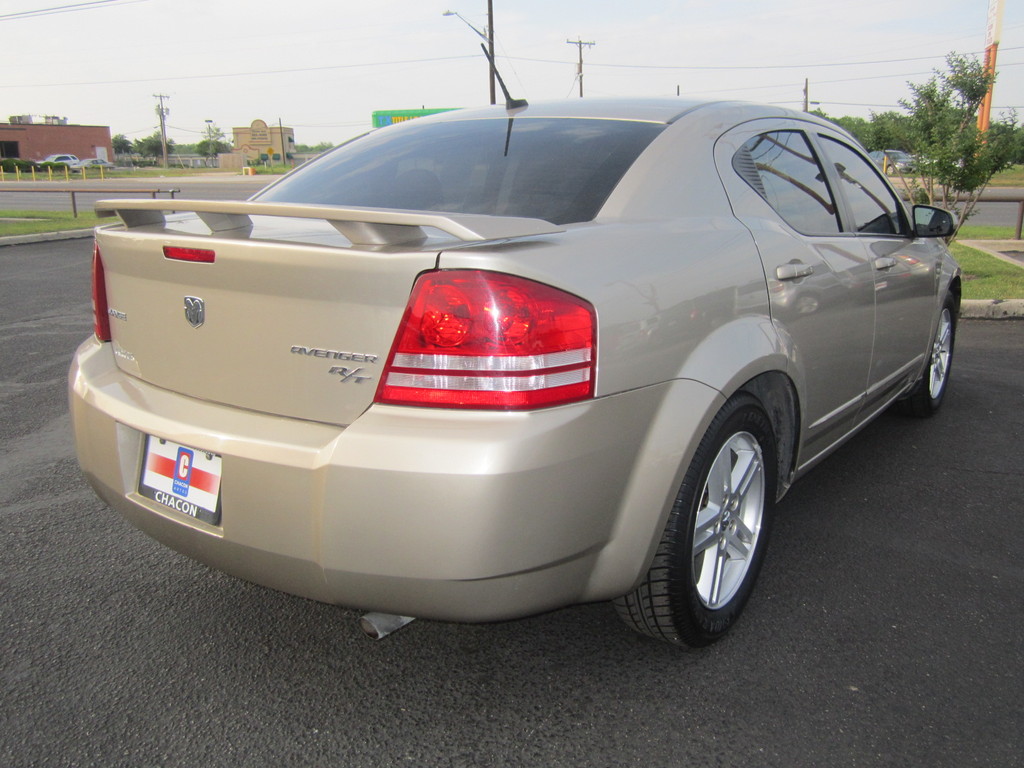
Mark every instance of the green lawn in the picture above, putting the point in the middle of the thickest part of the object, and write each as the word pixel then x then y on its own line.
pixel 986 277
pixel 985 232
pixel 33 222
pixel 1011 177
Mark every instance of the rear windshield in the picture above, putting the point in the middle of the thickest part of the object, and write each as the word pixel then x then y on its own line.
pixel 558 169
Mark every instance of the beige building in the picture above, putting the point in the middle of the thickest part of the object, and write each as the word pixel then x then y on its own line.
pixel 254 141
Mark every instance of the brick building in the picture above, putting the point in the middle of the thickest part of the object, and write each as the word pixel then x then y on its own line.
pixel 26 138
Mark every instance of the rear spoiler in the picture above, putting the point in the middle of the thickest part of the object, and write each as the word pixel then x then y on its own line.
pixel 362 226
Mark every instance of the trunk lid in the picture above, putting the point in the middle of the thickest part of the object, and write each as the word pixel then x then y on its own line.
pixel 297 311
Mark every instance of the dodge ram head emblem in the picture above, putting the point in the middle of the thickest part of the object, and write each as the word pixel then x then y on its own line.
pixel 195 311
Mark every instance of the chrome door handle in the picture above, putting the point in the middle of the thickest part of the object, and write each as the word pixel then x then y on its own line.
pixel 884 262
pixel 793 271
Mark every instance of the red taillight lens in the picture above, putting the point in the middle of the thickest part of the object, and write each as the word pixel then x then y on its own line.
pixel 101 320
pixel 473 339
pixel 197 255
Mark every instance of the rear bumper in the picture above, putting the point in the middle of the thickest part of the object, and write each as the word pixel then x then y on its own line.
pixel 465 516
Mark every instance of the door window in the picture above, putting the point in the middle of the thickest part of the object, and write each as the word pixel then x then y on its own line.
pixel 875 209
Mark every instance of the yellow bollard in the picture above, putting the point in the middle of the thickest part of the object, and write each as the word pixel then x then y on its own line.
pixel 49 173
pixel 17 173
pixel 102 177
pixel 67 173
pixel 84 176
pixel 33 173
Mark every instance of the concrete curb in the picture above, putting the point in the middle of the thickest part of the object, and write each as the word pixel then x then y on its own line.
pixel 991 309
pixel 45 237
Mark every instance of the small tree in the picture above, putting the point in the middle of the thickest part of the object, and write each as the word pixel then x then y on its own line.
pixel 306 149
pixel 122 144
pixel 858 127
pixel 150 146
pixel 889 130
pixel 213 142
pixel 955 160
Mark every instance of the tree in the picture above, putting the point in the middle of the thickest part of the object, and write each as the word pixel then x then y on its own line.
pixel 889 130
pixel 306 149
pixel 213 142
pixel 122 144
pixel 858 127
pixel 955 160
pixel 150 146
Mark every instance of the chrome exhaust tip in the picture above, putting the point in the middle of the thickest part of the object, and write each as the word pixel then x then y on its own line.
pixel 380 625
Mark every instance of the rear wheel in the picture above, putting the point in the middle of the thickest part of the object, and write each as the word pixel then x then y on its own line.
pixel 926 396
pixel 714 541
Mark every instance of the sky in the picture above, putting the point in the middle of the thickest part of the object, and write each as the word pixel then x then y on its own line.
pixel 323 66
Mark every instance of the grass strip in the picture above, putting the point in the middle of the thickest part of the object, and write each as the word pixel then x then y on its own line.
pixel 986 277
pixel 35 222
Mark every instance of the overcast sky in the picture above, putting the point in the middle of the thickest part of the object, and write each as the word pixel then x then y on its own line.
pixel 323 66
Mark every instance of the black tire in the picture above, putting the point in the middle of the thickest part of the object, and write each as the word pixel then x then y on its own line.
pixel 675 602
pixel 926 397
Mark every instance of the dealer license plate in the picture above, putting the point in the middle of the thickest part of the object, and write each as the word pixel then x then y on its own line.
pixel 181 478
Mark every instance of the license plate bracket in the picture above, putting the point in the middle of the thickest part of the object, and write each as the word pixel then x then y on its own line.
pixel 183 479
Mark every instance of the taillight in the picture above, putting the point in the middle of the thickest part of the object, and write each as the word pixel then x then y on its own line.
pixel 197 255
pixel 101 320
pixel 473 339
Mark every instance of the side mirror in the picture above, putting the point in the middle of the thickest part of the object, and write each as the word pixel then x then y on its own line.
pixel 933 222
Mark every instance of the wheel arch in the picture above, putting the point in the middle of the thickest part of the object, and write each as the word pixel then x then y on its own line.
pixel 778 397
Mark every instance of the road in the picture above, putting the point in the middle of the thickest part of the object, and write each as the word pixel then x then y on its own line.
pixel 20 197
pixel 217 187
pixel 885 630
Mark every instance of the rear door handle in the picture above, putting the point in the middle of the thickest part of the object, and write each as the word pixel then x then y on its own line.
pixel 885 262
pixel 793 271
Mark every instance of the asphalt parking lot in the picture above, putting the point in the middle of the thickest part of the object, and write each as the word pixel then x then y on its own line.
pixel 886 629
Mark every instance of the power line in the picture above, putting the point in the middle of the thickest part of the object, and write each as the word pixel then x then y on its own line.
pixel 750 67
pixel 72 8
pixel 242 74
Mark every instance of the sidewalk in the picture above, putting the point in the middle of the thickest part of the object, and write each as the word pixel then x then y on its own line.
pixel 1011 251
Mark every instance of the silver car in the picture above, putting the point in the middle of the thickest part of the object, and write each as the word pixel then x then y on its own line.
pixel 494 362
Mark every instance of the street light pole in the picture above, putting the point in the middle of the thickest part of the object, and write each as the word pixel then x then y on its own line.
pixel 487 37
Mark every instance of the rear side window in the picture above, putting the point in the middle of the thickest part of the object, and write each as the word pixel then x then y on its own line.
pixel 782 168
pixel 558 169
pixel 874 208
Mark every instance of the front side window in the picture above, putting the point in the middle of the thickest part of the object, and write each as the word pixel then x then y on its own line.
pixel 558 169
pixel 875 209
pixel 782 168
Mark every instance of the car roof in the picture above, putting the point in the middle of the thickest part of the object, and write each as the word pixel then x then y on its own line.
pixel 659 110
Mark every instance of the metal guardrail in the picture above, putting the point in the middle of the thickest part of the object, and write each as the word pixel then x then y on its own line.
pixel 101 191
pixel 1001 196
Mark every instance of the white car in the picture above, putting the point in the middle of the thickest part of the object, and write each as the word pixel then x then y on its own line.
pixel 69 160
pixel 93 162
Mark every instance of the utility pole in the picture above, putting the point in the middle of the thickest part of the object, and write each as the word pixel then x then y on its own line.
pixel 487 37
pixel 579 66
pixel 162 113
pixel 807 102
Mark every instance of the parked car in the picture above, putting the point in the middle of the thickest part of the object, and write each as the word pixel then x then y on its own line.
pixel 69 160
pixel 493 362
pixel 91 163
pixel 893 160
